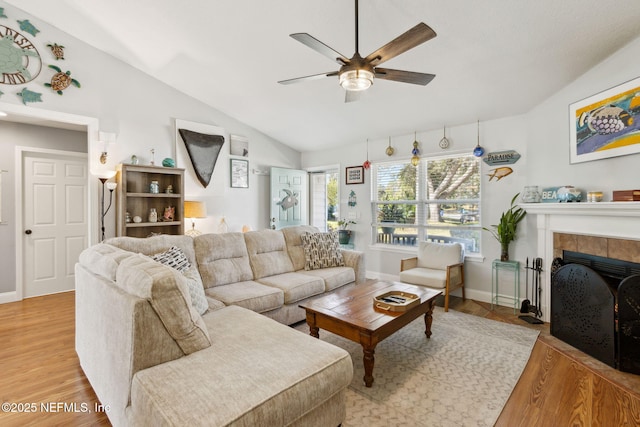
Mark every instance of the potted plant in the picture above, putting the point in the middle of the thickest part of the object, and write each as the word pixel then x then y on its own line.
pixel 505 230
pixel 344 234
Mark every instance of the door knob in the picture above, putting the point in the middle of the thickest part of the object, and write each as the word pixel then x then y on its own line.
pixel 27 232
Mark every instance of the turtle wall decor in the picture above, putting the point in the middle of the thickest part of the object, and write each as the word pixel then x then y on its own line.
pixel 28 27
pixel 19 59
pixel 57 50
pixel 61 80
pixel 29 96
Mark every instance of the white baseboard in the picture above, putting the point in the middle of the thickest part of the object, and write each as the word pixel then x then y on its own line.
pixel 6 297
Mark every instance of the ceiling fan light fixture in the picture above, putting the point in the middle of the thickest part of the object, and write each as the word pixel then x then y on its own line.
pixel 356 80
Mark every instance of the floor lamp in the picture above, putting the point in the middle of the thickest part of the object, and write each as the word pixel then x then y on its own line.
pixel 110 186
pixel 194 210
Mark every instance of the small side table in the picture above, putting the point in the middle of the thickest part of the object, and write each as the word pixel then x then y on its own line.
pixel 508 266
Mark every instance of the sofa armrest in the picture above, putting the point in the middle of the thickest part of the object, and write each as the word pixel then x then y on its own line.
pixel 408 263
pixel 355 260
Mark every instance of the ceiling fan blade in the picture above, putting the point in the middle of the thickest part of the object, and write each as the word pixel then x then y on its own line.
pixel 320 47
pixel 307 78
pixel 403 76
pixel 353 95
pixel 410 39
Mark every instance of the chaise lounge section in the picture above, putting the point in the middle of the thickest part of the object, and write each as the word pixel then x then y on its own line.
pixel 154 359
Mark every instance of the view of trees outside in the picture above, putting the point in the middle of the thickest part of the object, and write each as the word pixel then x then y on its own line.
pixel 439 200
pixel 332 201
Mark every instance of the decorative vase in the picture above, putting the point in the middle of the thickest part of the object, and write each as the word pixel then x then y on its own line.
pixel 344 236
pixel 504 252
pixel 531 194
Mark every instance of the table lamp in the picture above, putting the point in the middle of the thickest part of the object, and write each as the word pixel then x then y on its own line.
pixel 193 210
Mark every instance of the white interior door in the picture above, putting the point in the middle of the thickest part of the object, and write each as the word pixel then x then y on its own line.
pixel 289 198
pixel 54 220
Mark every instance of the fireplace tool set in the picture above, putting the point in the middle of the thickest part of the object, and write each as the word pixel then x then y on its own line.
pixel 536 290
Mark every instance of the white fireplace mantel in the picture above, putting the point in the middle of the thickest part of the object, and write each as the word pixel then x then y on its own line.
pixel 589 209
pixel 605 219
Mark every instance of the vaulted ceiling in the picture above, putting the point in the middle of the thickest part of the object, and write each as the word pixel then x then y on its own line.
pixel 491 58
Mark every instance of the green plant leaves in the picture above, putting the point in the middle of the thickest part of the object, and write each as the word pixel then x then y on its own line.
pixel 505 231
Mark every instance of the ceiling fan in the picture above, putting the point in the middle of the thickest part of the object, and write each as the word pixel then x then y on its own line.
pixel 356 74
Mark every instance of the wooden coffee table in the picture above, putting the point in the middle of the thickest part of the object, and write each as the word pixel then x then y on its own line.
pixel 350 313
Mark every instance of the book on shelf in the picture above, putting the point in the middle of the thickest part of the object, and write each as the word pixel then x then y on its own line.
pixel 626 196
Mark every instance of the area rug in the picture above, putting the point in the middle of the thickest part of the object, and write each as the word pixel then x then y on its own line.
pixel 461 376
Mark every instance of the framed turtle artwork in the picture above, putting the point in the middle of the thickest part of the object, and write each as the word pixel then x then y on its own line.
pixel 606 124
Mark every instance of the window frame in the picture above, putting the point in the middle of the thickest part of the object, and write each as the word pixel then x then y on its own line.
pixel 422 203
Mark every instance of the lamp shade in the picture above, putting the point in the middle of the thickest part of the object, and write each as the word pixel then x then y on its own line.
pixel 193 209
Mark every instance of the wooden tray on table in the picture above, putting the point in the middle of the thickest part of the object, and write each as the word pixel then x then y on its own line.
pixel 396 301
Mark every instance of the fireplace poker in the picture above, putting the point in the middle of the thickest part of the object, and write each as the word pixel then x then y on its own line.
pixel 527 307
pixel 538 286
pixel 525 303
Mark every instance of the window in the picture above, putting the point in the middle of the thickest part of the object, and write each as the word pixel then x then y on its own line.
pixel 438 200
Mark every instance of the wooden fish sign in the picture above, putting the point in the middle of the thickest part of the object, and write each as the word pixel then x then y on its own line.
pixel 499 173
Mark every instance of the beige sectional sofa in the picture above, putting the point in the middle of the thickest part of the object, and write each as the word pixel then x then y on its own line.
pixel 195 343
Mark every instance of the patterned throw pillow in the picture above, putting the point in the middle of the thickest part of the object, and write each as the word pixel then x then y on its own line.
pixel 173 258
pixel 176 258
pixel 321 250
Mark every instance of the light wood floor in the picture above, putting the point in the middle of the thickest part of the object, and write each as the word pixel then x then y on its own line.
pixel 38 365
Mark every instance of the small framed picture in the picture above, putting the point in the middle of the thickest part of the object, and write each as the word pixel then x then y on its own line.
pixel 354 175
pixel 239 146
pixel 239 173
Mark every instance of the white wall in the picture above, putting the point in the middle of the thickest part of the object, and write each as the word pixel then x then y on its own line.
pixel 141 111
pixel 540 136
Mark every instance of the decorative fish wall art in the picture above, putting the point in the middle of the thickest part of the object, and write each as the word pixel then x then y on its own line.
pixel 499 173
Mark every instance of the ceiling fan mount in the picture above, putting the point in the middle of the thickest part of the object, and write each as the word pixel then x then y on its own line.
pixel 357 74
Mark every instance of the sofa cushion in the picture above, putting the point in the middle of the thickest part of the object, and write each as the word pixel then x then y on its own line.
pixel 249 294
pixel 222 259
pixel 321 250
pixel 155 244
pixel 176 259
pixel 439 255
pixel 333 277
pixel 425 276
pixel 295 286
pixel 167 291
pixel 103 259
pixel 268 254
pixel 285 374
pixel 294 243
